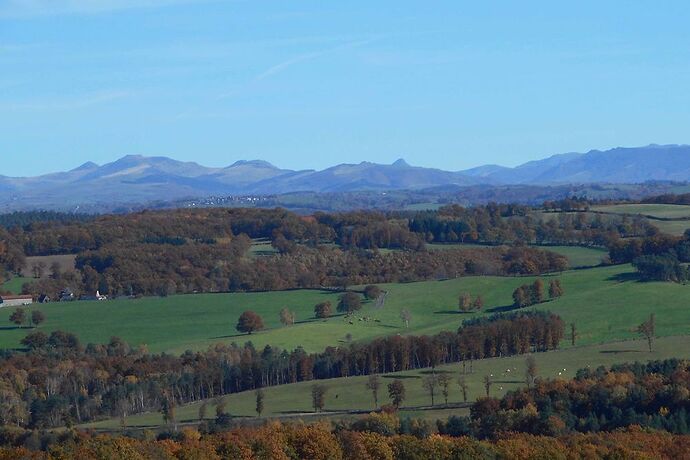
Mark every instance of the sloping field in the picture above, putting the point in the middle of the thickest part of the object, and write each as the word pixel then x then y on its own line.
pixel 350 394
pixel 660 211
pixel 604 302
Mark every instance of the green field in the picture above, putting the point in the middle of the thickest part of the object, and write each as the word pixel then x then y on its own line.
pixel 15 284
pixel 605 302
pixel 676 217
pixel 349 394
pixel 661 211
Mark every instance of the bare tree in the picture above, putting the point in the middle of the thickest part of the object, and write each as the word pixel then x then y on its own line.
pixel 318 397
pixel 405 316
pixel 530 370
pixel 463 387
pixel 487 384
pixel 374 384
pixel 430 383
pixel 444 381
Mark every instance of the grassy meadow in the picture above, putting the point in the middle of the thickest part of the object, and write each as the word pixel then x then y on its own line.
pixel 604 302
pixel 660 211
pixel 350 394
pixel 676 218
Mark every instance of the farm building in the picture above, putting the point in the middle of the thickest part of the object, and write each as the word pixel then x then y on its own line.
pixel 15 300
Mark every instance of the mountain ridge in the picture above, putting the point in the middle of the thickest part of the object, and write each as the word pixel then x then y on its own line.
pixel 138 178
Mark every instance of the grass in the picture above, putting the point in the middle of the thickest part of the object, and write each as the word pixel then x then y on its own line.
pixel 65 261
pixel 672 227
pixel 348 394
pixel 661 211
pixel 677 216
pixel 14 285
pixel 604 302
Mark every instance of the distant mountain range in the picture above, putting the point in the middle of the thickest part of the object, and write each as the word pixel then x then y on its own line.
pixel 139 179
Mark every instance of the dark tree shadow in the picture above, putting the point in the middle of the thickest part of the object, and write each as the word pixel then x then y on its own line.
pixel 438 371
pixel 616 352
pixel 502 309
pixel 402 377
pixel 624 277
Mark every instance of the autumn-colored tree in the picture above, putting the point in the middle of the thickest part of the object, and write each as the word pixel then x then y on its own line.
pixel 555 289
pixel 478 303
pixel 18 316
pixel 37 317
pixel 396 392
pixel 35 340
pixel 372 292
pixel 537 292
pixel 287 318
pixel 373 385
pixel 260 401
pixel 521 297
pixel 465 302
pixel 323 310
pixel 462 383
pixel 648 331
pixel 349 302
pixel 318 397
pixel 249 322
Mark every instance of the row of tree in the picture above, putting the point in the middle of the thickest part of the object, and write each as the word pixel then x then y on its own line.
pixel 58 381
pixel 533 294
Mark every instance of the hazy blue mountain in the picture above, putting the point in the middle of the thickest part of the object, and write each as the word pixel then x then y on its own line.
pixel 619 165
pixel 140 179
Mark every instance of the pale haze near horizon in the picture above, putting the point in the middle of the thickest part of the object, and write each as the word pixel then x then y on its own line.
pixel 310 84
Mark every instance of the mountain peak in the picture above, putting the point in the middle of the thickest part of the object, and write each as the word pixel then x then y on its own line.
pixel 401 163
pixel 256 163
pixel 85 167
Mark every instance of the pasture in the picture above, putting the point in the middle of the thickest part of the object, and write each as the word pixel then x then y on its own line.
pixel 672 219
pixel 14 285
pixel 349 394
pixel 659 211
pixel 64 261
pixel 604 302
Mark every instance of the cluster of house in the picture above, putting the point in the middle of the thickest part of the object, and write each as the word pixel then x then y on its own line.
pixel 66 295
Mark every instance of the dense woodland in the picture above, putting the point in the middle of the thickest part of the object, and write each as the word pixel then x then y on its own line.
pixel 208 250
pixel 61 382
pixel 182 251
pixel 653 395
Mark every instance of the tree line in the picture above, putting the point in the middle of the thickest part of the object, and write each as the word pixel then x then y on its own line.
pixel 58 381
pixel 405 439
pixel 651 395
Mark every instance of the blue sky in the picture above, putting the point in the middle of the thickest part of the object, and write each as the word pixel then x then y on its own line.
pixel 307 84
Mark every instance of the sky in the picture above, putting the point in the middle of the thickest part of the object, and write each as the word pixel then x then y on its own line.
pixel 309 84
